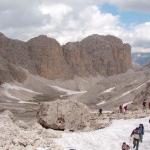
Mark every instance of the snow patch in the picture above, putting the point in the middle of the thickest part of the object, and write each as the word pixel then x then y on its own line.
pixel 107 112
pixel 41 148
pixel 26 102
pixel 128 92
pixel 67 91
pixel 109 90
pixel 108 138
pixel 101 103
pixel 10 96
pixel 8 86
pixel 128 103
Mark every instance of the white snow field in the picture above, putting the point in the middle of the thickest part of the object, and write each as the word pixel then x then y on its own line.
pixel 110 138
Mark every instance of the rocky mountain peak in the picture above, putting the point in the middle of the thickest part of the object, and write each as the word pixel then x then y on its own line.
pixel 1 34
pixel 94 55
pixel 105 55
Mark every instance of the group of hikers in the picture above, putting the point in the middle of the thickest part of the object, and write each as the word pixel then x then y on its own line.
pixel 137 136
pixel 138 132
pixel 123 109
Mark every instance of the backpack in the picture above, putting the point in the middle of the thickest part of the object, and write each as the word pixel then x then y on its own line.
pixel 124 147
pixel 142 129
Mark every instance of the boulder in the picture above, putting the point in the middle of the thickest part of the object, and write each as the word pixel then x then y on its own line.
pixel 64 115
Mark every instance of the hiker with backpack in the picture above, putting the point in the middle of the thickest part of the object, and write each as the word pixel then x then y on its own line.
pixel 141 131
pixel 136 138
pixel 125 108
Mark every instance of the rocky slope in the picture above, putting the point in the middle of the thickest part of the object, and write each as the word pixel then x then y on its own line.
pixel 44 56
pixel 10 72
pixel 116 90
pixel 17 135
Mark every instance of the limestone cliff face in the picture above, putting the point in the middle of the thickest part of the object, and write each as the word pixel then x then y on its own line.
pixel 47 58
pixel 40 55
pixel 106 55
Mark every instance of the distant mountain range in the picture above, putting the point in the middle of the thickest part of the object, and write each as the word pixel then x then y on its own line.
pixel 141 58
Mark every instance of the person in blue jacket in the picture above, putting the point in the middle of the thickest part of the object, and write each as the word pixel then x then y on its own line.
pixel 141 131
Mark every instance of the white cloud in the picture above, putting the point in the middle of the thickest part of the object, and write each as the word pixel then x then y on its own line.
pixel 70 20
pixel 141 37
pixel 138 5
pixel 57 12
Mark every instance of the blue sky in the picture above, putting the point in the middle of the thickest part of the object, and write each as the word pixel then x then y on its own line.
pixel 73 20
pixel 127 17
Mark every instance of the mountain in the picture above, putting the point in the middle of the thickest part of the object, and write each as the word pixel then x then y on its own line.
pixel 116 90
pixel 141 58
pixel 105 55
pixel 40 55
pixel 44 56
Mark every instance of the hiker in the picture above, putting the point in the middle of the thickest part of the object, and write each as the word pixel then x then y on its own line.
pixel 141 131
pixel 136 138
pixel 125 146
pixel 120 109
pixel 144 104
pixel 100 111
pixel 125 108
